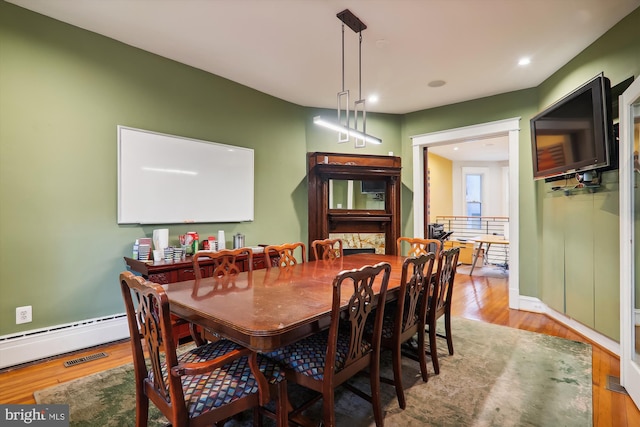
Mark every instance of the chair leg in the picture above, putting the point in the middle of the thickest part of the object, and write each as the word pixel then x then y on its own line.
pixel 433 348
pixel 374 377
pixel 422 355
pixel 142 410
pixel 447 327
pixel 257 417
pixel 282 407
pixel 328 411
pixel 397 375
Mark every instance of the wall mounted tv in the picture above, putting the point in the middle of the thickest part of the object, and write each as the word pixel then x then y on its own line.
pixel 576 133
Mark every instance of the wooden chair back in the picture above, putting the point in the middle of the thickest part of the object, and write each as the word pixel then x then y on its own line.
pixel 440 301
pixel 411 306
pixel 409 318
pixel 284 255
pixel 327 249
pixel 160 379
pixel 445 275
pixel 418 246
pixel 360 285
pixel 360 306
pixel 346 348
pixel 224 261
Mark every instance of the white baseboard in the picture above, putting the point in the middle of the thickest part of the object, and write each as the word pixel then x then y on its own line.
pixel 537 306
pixel 39 344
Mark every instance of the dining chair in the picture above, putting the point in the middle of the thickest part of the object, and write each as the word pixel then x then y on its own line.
pixel 327 359
pixel 202 386
pixel 224 261
pixel 406 317
pixel 327 249
pixel 224 266
pixel 284 255
pixel 418 246
pixel 440 302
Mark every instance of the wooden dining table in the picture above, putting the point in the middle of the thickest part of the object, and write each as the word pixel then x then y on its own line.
pixel 269 308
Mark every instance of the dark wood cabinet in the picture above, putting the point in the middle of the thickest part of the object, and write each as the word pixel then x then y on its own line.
pixel 164 272
pixel 325 219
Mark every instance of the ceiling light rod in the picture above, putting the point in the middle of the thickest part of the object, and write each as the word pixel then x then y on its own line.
pixel 350 132
pixel 345 132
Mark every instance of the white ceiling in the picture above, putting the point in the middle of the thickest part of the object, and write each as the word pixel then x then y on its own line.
pixel 291 49
pixel 483 150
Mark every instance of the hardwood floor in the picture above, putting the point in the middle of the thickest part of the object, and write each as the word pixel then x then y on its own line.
pixel 487 299
pixel 476 297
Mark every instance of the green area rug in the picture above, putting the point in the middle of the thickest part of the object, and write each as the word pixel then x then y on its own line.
pixel 498 376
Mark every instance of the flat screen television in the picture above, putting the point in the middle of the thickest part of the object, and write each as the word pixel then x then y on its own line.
pixel 576 133
pixel 373 187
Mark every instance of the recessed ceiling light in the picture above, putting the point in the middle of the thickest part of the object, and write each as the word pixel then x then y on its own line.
pixel 373 98
pixel 524 61
pixel 437 83
pixel 456 148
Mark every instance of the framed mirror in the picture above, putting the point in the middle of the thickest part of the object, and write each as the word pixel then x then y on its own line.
pixel 357 195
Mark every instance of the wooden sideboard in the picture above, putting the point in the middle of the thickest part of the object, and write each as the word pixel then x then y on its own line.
pixel 164 272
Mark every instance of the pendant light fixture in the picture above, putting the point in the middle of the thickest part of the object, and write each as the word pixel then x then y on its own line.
pixel 343 125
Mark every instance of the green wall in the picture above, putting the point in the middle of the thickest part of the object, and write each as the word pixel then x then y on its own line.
pixel 579 234
pixel 569 246
pixel 64 90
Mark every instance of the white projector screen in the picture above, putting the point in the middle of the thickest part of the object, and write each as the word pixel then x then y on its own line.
pixel 167 179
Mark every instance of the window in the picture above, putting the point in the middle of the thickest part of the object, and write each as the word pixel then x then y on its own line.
pixel 473 199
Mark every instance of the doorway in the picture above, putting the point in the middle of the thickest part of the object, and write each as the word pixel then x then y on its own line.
pixel 509 128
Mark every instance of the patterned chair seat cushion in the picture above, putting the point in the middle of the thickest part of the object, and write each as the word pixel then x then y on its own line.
pixel 223 385
pixel 308 355
pixel 388 323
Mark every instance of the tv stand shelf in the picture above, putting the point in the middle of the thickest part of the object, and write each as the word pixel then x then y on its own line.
pixel 577 189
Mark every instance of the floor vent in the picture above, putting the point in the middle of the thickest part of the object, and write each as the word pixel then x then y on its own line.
pixel 613 384
pixel 89 358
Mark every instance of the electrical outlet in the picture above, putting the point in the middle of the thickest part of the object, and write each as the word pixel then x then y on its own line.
pixel 23 314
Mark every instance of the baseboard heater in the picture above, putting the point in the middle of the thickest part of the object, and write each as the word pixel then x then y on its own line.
pixel 29 346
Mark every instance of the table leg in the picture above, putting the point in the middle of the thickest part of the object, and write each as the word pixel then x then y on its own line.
pixel 486 254
pixel 475 258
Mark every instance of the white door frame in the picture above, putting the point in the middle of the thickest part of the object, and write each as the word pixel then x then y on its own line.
pixel 629 369
pixel 508 127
